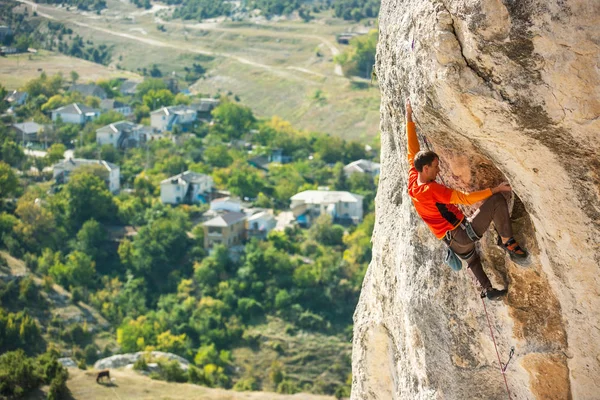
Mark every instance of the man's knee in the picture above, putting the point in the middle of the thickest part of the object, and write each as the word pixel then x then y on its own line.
pixel 498 198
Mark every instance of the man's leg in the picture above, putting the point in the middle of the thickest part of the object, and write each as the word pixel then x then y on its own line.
pixel 462 245
pixel 493 209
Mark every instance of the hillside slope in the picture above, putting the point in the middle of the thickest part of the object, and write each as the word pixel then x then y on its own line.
pixel 131 385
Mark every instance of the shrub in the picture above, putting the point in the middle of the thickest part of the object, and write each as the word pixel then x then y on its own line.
pixel 90 353
pixel 196 376
pixel 246 384
pixel 20 374
pixel 28 291
pixel 76 334
pixel 58 386
pixel 171 371
pixel 287 387
pixel 141 364
pixel 312 321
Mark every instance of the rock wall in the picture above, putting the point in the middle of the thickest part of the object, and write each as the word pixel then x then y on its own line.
pixel 504 90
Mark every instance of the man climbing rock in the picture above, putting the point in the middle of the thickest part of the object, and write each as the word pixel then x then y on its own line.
pixel 435 203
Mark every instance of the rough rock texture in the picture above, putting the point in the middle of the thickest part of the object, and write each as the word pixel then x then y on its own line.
pixel 503 90
pixel 67 362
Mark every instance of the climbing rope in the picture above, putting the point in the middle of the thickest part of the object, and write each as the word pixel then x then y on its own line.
pixel 502 366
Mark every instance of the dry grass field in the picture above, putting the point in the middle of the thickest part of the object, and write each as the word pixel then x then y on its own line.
pixel 129 385
pixel 283 68
pixel 16 70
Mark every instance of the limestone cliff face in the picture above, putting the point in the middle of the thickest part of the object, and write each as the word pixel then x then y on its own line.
pixel 503 90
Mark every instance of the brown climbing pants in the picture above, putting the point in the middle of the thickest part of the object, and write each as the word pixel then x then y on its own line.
pixel 493 209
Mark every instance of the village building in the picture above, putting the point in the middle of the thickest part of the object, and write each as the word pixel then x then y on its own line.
pixel 186 188
pixel 259 223
pixel 115 105
pixel 166 118
pixel 228 229
pixel 30 131
pixel 123 135
pixel 63 170
pixel 343 207
pixel 75 113
pixel 362 167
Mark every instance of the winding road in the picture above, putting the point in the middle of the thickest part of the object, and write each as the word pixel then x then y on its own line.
pixel 283 72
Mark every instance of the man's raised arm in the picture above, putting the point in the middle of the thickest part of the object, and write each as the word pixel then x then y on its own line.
pixel 411 135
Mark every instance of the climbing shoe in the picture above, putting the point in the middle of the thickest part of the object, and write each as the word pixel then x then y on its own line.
pixel 495 294
pixel 512 247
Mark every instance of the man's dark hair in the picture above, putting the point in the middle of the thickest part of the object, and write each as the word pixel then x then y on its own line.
pixel 424 158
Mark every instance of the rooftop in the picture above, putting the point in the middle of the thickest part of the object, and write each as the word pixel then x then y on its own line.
pixel 73 163
pixel 326 197
pixel 28 127
pixel 225 220
pixel 75 108
pixel 117 127
pixel 187 176
pixel 362 166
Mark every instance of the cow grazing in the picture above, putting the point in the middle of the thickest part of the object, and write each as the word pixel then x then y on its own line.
pixel 102 374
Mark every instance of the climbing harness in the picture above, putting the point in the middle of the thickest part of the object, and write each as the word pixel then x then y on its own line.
pixel 512 350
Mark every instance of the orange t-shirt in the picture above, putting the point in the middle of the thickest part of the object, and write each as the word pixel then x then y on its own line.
pixel 435 203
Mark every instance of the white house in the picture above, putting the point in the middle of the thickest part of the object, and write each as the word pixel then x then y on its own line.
pixel 187 187
pixel 343 207
pixel 63 170
pixel 362 167
pixel 114 105
pixel 123 134
pixel 165 118
pixel 260 223
pixel 75 113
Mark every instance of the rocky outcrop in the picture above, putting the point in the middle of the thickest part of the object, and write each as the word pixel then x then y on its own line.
pixel 503 91
pixel 122 360
pixel 67 362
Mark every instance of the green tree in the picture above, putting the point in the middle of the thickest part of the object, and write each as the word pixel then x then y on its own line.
pixel 233 120
pixel 78 270
pixel 359 58
pixel 87 197
pixel 56 153
pixel 148 85
pixel 91 240
pixel 324 231
pixel 37 227
pixel 181 98
pixel 217 156
pixel 245 181
pixel 159 249
pixel 158 98
pixel 74 77
pixel 8 180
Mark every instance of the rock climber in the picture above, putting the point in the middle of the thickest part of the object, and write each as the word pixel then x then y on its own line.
pixel 435 203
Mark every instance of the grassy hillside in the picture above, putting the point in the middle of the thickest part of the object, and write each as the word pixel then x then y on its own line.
pixel 285 67
pixel 131 385
pixel 16 70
